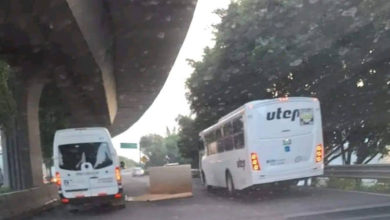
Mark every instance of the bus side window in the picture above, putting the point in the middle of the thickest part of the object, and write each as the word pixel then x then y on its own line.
pixel 220 145
pixel 238 130
pixel 212 148
pixel 227 129
pixel 228 138
pixel 210 143
pixel 238 125
pixel 239 140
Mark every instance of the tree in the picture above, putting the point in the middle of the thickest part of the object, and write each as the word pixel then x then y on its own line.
pixel 188 142
pixel 161 150
pixel 152 146
pixel 170 142
pixel 53 115
pixel 276 48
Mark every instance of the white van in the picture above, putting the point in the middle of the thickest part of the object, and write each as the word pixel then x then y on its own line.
pixel 87 167
pixel 264 141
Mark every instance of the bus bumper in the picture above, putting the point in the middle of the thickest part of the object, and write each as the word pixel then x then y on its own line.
pixel 261 178
pixel 94 200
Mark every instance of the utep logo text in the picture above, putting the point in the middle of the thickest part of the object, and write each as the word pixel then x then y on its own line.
pixel 305 115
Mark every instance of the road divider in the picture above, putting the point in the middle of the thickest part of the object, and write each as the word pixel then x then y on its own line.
pixel 167 182
pixel 23 203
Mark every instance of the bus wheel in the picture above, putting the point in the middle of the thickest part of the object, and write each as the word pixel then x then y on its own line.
pixel 230 184
pixel 204 182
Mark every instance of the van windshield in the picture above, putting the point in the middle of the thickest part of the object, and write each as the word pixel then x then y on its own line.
pixel 72 156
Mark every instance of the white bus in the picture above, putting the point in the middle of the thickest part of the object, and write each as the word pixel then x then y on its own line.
pixel 265 141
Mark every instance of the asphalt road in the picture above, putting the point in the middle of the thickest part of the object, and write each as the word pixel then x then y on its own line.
pixel 297 203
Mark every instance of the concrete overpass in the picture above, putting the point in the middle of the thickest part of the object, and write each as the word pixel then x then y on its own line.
pixel 108 58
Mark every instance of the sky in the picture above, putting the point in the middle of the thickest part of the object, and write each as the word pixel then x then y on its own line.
pixel 171 100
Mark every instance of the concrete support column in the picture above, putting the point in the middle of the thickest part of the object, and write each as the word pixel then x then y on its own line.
pixel 17 146
pixel 34 91
pixel 22 137
pixel 5 159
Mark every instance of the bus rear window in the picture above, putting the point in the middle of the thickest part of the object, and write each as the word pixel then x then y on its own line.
pixel 72 156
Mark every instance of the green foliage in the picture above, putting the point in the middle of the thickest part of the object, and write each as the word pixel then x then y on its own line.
pixel 161 150
pixel 170 142
pixel 378 186
pixel 343 183
pixel 5 190
pixel 153 147
pixel 188 142
pixel 7 102
pixel 128 162
pixel 267 49
pixel 53 115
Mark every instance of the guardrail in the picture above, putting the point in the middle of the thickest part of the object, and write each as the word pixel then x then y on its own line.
pixel 364 171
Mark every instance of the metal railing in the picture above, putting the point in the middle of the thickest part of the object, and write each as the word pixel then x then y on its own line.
pixel 365 171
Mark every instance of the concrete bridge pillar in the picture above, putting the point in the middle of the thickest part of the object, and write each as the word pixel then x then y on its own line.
pixel 34 91
pixel 17 146
pixel 22 137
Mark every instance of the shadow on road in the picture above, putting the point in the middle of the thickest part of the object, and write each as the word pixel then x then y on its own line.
pixel 90 210
pixel 259 195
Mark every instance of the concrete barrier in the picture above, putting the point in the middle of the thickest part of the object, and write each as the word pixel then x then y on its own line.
pixel 170 179
pixel 24 202
pixel 167 182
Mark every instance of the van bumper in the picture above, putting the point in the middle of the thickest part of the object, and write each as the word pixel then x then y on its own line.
pixel 93 200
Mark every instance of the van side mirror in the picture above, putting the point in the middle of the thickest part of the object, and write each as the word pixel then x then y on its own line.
pixel 122 164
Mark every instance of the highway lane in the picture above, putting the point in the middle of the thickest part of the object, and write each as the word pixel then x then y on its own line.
pixel 296 203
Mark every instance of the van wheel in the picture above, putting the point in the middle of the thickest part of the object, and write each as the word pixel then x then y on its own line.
pixel 230 184
pixel 204 182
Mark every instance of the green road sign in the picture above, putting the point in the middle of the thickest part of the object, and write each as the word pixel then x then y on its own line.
pixel 129 145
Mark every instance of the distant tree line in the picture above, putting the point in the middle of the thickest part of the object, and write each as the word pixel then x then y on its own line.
pixel 161 150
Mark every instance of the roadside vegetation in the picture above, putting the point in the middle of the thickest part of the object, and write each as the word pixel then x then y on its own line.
pixel 366 185
pixel 161 150
pixel 278 48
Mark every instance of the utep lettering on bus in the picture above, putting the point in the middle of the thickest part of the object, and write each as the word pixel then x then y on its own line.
pixel 285 114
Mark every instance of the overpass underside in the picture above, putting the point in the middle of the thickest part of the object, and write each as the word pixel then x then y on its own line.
pixel 107 61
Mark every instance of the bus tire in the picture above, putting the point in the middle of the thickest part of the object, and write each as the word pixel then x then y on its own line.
pixel 204 182
pixel 230 184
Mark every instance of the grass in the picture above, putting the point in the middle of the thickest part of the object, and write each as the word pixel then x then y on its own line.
pixel 5 190
pixel 379 186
